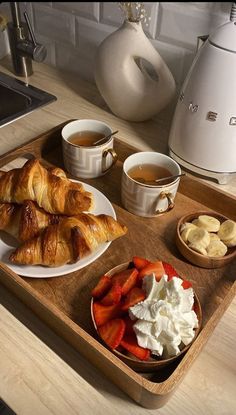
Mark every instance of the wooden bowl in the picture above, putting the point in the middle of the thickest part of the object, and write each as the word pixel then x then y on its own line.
pixel 152 364
pixel 194 257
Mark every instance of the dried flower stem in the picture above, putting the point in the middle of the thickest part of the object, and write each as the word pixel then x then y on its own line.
pixel 134 12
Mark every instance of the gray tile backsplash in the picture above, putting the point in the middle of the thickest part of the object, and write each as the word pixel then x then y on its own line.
pixel 54 24
pixel 72 31
pixel 90 10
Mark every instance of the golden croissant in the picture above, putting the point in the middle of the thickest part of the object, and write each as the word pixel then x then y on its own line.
pixel 24 221
pixel 70 240
pixel 51 190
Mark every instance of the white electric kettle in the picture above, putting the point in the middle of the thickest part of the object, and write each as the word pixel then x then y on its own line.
pixel 203 132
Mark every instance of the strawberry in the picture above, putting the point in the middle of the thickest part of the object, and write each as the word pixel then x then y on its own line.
pixel 195 308
pixel 169 270
pixel 112 332
pixel 129 342
pixel 139 262
pixel 153 267
pixel 128 325
pixel 113 296
pixel 126 279
pixel 134 296
pixel 102 313
pixel 102 287
pixel 186 284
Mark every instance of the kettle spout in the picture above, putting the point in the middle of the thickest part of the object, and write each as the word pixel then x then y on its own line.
pixel 200 41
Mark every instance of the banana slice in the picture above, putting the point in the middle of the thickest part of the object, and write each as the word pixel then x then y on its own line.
pixel 216 249
pixel 230 242
pixel 195 222
pixel 209 223
pixel 227 230
pixel 199 236
pixel 185 225
pixel 198 248
pixel 214 237
pixel 185 229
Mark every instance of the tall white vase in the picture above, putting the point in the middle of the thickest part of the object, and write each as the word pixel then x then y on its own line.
pixel 129 91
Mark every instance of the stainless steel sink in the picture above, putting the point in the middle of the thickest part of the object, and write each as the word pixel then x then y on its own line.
pixel 18 99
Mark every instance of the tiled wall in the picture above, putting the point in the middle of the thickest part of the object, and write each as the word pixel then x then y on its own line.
pixel 72 31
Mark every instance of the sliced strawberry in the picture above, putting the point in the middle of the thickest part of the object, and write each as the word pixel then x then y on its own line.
pixel 112 332
pixel 102 287
pixel 126 279
pixel 195 308
pixel 169 270
pixel 104 313
pixel 186 284
pixel 140 262
pixel 129 325
pixel 129 342
pixel 113 296
pixel 153 267
pixel 134 296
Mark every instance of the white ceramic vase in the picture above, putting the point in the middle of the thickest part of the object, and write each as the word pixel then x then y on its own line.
pixel 128 89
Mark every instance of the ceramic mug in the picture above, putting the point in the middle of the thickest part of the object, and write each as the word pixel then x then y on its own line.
pixel 142 199
pixel 87 161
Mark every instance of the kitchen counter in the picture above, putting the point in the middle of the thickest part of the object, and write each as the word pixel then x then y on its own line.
pixel 39 372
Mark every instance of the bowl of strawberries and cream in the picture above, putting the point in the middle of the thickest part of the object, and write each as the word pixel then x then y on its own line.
pixel 145 313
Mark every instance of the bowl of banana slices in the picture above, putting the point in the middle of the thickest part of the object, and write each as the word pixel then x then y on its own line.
pixel 207 239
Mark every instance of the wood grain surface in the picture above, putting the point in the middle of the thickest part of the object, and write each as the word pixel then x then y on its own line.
pixel 40 372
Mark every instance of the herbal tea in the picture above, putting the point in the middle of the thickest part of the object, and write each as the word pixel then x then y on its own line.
pixel 85 138
pixel 148 173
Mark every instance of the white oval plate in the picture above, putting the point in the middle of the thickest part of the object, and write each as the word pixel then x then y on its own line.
pixel 101 205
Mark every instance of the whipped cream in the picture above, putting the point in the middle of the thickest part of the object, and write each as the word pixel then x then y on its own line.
pixel 165 319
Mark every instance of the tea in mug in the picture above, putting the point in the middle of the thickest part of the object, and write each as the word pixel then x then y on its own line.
pixel 85 138
pixel 148 173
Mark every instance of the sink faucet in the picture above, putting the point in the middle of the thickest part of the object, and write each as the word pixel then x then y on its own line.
pixel 23 49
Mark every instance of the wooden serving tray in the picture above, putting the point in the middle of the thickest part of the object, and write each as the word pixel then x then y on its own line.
pixel 64 302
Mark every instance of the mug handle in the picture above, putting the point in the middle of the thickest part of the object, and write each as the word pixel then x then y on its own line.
pixel 104 156
pixel 170 200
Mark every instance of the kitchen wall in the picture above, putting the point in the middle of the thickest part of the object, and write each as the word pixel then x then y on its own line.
pixel 72 31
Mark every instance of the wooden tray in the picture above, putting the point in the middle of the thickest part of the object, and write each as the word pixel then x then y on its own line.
pixel 64 302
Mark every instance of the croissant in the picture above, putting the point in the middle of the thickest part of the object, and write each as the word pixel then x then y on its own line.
pixel 24 221
pixel 70 240
pixel 55 194
pixel 60 173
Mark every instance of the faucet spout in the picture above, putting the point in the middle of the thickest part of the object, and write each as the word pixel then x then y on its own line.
pixel 15 12
pixel 23 45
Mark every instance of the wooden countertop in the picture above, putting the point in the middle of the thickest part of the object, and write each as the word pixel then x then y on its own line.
pixel 39 372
